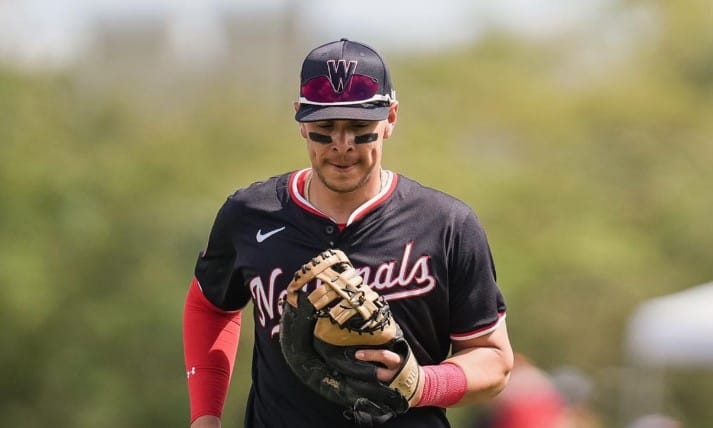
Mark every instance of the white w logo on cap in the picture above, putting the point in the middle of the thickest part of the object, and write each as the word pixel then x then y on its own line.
pixel 339 73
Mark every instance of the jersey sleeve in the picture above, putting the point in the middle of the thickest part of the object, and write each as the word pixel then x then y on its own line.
pixel 215 270
pixel 477 304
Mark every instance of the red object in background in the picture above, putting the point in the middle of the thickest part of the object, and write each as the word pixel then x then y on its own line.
pixel 530 400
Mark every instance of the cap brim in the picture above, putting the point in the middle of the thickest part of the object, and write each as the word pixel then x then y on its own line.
pixel 313 113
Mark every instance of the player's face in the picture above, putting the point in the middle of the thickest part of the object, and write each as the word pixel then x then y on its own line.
pixel 346 154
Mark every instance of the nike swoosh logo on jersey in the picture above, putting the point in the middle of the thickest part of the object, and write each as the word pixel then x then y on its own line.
pixel 260 237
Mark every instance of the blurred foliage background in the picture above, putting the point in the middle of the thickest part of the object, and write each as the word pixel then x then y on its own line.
pixel 587 156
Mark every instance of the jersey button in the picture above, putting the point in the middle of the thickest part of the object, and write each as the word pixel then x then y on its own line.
pixel 329 230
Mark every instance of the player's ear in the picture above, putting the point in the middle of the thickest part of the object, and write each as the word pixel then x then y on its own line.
pixel 303 132
pixel 391 119
pixel 388 130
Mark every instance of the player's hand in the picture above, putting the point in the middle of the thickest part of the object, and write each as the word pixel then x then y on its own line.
pixel 207 421
pixel 388 365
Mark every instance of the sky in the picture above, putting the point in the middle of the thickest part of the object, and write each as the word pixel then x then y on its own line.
pixel 55 32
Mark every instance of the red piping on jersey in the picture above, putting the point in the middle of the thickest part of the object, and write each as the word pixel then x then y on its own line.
pixel 379 199
pixel 482 331
pixel 296 186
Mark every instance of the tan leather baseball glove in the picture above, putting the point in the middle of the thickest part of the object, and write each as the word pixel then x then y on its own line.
pixel 321 331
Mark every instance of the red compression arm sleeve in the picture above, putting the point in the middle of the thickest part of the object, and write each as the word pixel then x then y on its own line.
pixel 210 343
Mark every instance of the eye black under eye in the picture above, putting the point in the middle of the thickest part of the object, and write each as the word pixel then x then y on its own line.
pixel 366 138
pixel 320 138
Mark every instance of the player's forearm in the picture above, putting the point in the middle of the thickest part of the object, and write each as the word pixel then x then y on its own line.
pixel 477 371
pixel 210 340
pixel 486 368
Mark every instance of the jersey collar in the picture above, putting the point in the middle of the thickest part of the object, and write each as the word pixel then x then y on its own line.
pixel 297 184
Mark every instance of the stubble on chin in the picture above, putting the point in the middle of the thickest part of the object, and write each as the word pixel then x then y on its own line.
pixel 346 187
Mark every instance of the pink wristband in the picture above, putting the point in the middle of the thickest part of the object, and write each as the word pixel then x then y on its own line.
pixel 443 385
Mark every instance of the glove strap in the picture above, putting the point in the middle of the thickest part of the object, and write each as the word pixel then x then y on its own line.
pixel 408 380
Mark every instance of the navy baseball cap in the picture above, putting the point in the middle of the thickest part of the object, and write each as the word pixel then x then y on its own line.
pixel 344 80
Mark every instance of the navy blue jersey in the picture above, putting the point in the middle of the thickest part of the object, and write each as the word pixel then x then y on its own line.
pixel 424 251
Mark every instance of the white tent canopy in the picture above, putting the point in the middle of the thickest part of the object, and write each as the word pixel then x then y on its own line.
pixel 675 330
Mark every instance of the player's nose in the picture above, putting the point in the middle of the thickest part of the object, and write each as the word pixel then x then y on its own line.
pixel 343 141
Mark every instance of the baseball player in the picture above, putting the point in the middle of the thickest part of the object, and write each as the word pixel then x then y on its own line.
pixel 424 252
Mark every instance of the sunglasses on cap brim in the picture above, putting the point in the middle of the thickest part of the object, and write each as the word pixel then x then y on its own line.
pixel 360 90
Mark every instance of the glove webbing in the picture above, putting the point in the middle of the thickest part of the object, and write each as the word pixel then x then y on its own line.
pixel 310 270
pixel 355 299
pixel 344 284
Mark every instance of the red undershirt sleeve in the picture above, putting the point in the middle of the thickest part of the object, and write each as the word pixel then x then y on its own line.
pixel 210 344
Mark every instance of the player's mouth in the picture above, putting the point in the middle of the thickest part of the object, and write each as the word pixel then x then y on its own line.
pixel 343 167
